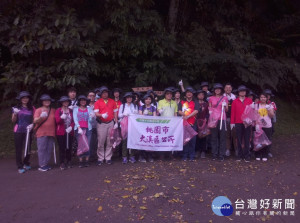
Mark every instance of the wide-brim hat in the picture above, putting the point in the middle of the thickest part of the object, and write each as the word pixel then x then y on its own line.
pixel 128 94
pixel 82 97
pixel 23 94
pixel 46 97
pixel 175 90
pixel 169 89
pixel 147 96
pixel 117 90
pixel 242 88
pixel 101 89
pixel 64 98
pixel 190 89
pixel 151 92
pixel 218 86
pixel 201 91
pixel 203 84
pixel 252 93
pixel 269 92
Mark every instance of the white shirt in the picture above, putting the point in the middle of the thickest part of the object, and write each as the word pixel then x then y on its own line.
pixel 129 109
pixel 230 96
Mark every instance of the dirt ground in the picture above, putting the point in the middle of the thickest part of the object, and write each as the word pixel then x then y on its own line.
pixel 163 191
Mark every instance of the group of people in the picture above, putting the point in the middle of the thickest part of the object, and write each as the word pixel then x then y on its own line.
pixel 95 115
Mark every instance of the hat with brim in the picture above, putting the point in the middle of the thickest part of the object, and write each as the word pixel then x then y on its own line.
pixel 102 89
pixel 128 94
pixel 147 96
pixel 151 92
pixel 169 89
pixel 218 86
pixel 201 91
pixel 176 90
pixel 46 97
pixel 23 94
pixel 242 88
pixel 117 90
pixel 203 84
pixel 190 89
pixel 64 98
pixel 269 92
pixel 252 93
pixel 82 97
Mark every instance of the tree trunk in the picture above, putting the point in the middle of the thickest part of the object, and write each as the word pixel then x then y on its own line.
pixel 173 12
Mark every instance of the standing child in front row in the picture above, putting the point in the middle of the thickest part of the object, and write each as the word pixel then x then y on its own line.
pixel 149 110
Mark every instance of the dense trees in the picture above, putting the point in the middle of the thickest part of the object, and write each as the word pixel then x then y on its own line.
pixel 47 45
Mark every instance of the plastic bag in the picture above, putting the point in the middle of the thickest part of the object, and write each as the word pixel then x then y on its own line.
pixel 124 127
pixel 260 140
pixel 115 137
pixel 214 117
pixel 249 116
pixel 188 132
pixel 203 129
pixel 83 145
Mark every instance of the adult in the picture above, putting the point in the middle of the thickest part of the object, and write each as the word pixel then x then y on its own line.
pixel 64 133
pixel 218 134
pixel 94 140
pixel 72 93
pixel 188 110
pixel 116 96
pixel 266 113
pixel 167 107
pixel 128 107
pixel 202 117
pixel 22 117
pixel 230 133
pixel 106 111
pixel 243 134
pixel 204 86
pixel 44 120
pixel 177 96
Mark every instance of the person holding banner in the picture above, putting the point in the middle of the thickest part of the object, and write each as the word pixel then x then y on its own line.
pixel 44 120
pixel 242 133
pixel 64 133
pixel 83 117
pixel 218 104
pixel 149 110
pixel 22 117
pixel 106 112
pixel 188 110
pixel 127 108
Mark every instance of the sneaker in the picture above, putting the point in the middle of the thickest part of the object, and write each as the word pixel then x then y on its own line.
pixel 202 155
pixel 86 164
pixel 270 155
pixel 49 167
pixel 125 161
pixel 247 160
pixel 142 160
pixel 221 158
pixel 214 157
pixel 258 159
pixel 184 159
pixel 265 159
pixel 151 160
pixel 62 166
pixel 21 170
pixel 27 167
pixel 238 159
pixel 227 152
pixel 109 162
pixel 69 165
pixel 99 163
pixel 132 159
pixel 43 168
pixel 193 160
pixel 81 164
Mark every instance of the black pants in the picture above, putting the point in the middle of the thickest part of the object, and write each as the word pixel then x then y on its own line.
pixel 218 140
pixel 201 144
pixel 243 135
pixel 263 153
pixel 64 153
pixel 20 140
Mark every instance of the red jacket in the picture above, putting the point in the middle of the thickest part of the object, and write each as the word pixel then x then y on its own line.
pixel 60 124
pixel 237 109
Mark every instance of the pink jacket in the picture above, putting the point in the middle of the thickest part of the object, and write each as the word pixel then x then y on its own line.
pixel 60 124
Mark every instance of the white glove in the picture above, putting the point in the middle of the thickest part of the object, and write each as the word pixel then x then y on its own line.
pixel 63 116
pixel 116 126
pixel 44 114
pixel 161 111
pixel 135 112
pixel 71 107
pixel 224 103
pixel 125 114
pixel 69 129
pixel 180 83
pixel 92 115
pixel 257 128
pixel 29 127
pixel 80 131
pixel 268 107
pixel 232 126
pixel 105 115
pixel 146 112
pixel 184 109
pixel 252 105
pixel 210 112
pixel 16 111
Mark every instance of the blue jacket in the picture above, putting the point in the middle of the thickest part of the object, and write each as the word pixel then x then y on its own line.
pixel 75 112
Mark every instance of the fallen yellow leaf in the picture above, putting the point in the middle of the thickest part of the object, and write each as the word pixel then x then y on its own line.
pixel 143 208
pixel 100 208
pixel 125 196
pixel 176 188
pixel 296 193
pixel 107 181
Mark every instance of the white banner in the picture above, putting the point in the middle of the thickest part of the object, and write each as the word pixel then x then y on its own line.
pixel 155 133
